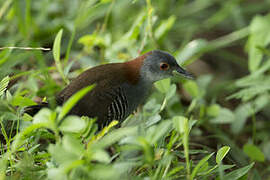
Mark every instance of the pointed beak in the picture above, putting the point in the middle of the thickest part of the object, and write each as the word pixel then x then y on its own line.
pixel 184 73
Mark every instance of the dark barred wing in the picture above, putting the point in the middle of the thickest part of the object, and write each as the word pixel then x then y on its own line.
pixel 118 109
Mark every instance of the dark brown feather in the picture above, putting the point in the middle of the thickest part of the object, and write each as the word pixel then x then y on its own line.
pixel 108 78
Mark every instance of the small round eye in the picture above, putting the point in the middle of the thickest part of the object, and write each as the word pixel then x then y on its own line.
pixel 164 66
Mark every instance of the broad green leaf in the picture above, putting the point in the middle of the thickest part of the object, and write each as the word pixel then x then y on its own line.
pixel 73 100
pixel 72 124
pixel 113 137
pixel 192 88
pixel 256 87
pixel 73 145
pixel 101 171
pixel 253 152
pixel 243 111
pixel 92 40
pixel 100 156
pixel 192 105
pixel 204 168
pixel 183 126
pixel 163 85
pixel 57 173
pixel 238 173
pixel 9 96
pixel 259 36
pixel 222 153
pixel 4 56
pixel 22 101
pixel 190 50
pixel 164 27
pixel 43 116
pixel 199 165
pixel 225 116
pixel 180 122
pixel 171 92
pixel 213 110
pixel 61 155
pixel 148 152
pixel 3 166
pixel 27 117
pixel 20 138
pixel 57 46
pixel 57 54
pixel 104 131
pixel 153 120
pixel 135 29
pixel 158 131
pixel 3 85
pixel 175 170
pixel 105 1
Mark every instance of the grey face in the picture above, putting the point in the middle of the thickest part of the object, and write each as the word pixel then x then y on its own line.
pixel 160 65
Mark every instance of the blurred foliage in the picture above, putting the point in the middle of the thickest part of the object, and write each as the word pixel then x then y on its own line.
pixel 215 127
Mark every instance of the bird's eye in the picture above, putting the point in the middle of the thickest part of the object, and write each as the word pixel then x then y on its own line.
pixel 164 66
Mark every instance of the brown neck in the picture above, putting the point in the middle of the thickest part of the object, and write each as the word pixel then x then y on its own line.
pixel 133 68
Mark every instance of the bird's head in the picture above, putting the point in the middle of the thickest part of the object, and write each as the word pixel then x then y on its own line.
pixel 159 65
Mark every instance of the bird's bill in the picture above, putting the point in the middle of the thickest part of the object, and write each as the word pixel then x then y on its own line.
pixel 184 73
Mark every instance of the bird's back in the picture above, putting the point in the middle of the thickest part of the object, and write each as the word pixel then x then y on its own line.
pixel 113 96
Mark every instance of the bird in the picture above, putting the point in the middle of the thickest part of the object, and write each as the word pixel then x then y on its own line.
pixel 119 87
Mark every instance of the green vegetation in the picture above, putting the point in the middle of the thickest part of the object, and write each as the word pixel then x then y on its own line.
pixel 215 127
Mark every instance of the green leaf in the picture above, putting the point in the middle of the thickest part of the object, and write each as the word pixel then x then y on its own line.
pixel 163 85
pixel 164 27
pixel 192 88
pixel 253 152
pixel 134 32
pixel 43 116
pixel 243 111
pixel 27 117
pixel 57 53
pixel 225 116
pixel 73 100
pixel 73 145
pixel 22 101
pixel 3 166
pixel 236 174
pixel 57 46
pixel 61 155
pixel 152 120
pixel 113 137
pixel 56 173
pixel 3 85
pixel 20 138
pixel 148 151
pixel 105 1
pixel 100 156
pixel 213 110
pixel 171 92
pixel 259 36
pixel 89 41
pixel 104 131
pixel 73 124
pixel 199 165
pixel 180 123
pixel 104 172
pixel 222 153
pixel 183 126
pixel 159 131
pixel 175 170
pixel 190 50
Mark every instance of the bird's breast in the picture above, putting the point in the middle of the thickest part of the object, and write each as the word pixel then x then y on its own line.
pixel 136 94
